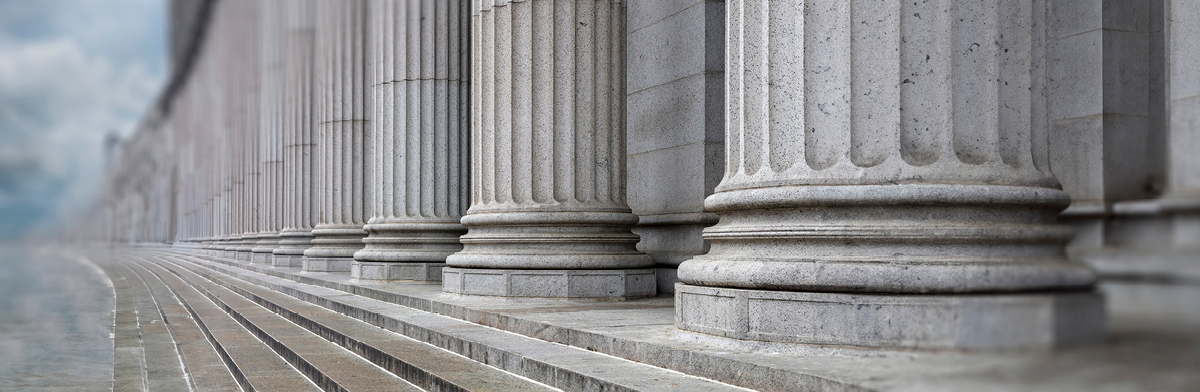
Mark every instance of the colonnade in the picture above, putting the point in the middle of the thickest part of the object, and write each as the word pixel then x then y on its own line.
pixel 888 167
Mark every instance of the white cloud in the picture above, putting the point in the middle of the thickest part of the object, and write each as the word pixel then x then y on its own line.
pixel 85 69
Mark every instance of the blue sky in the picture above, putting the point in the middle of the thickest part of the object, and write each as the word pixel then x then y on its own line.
pixel 71 71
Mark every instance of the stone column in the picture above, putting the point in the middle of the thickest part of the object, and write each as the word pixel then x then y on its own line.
pixel 1182 198
pixel 270 120
pixel 1106 111
pixel 343 126
pixel 231 207
pixel 246 112
pixel 887 182
pixel 421 90
pixel 299 141
pixel 548 216
pixel 1152 243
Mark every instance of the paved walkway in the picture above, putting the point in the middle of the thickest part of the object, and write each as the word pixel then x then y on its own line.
pixel 55 322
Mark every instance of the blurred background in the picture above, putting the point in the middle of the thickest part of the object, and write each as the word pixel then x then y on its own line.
pixel 75 77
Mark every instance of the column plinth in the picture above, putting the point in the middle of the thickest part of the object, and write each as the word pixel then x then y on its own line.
pixel 421 89
pixel 406 250
pixel 887 183
pixel 299 154
pixel 292 243
pixel 344 132
pixel 245 245
pixel 888 238
pixel 548 216
pixel 264 248
pixel 333 247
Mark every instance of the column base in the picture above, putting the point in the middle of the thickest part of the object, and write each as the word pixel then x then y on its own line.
pixel 243 255
pixel 262 257
pixel 292 244
pixel 327 264
pixel 667 278
pixel 428 272
pixel 610 283
pixel 284 260
pixel 974 321
pixel 186 246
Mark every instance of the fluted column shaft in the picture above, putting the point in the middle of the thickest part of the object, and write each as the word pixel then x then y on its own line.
pixel 882 147
pixel 299 139
pixel 247 93
pixel 877 182
pixel 270 120
pixel 421 87
pixel 548 138
pixel 344 142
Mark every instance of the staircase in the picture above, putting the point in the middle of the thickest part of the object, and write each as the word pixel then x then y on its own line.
pixel 187 322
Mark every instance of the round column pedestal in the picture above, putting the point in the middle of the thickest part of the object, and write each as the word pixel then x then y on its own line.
pixel 550 255
pixel 550 240
pixel 245 248
pixel 208 246
pixel 263 251
pixel 911 266
pixel 333 248
pixel 574 284
pixel 951 321
pixel 290 252
pixel 187 246
pixel 425 272
pixel 406 250
pixel 230 246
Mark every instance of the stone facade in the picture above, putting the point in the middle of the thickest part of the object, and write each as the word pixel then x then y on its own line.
pixel 941 174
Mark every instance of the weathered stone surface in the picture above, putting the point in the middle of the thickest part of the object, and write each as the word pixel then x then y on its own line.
pixel 584 283
pixel 882 320
pixel 344 129
pixel 676 118
pixel 300 177
pixel 1105 106
pixel 842 179
pixel 642 331
pixel 421 88
pixel 548 139
pixel 269 211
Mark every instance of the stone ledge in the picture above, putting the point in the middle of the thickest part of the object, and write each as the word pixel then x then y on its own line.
pixel 616 283
pixel 262 257
pixel 975 321
pixel 369 270
pixel 287 260
pixel 322 264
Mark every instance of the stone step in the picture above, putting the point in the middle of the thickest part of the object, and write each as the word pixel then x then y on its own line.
pixel 129 359
pixel 204 369
pixel 426 366
pixel 565 367
pixel 327 365
pixel 253 363
pixel 642 331
pixel 163 364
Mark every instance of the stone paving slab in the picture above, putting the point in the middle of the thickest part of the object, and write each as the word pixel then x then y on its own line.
pixel 652 339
